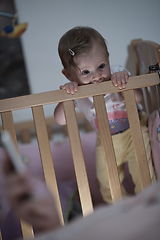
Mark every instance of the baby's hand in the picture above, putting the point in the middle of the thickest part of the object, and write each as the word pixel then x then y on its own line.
pixel 119 79
pixel 71 87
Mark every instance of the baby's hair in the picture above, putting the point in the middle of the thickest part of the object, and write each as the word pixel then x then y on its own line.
pixel 78 40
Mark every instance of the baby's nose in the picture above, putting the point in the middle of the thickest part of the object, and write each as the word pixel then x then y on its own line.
pixel 96 77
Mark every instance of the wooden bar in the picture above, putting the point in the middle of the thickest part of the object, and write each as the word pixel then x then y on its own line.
pixel 36 102
pixel 153 98
pixel 46 157
pixel 137 138
pixel 26 136
pixel 148 100
pixel 108 149
pixel 78 159
pixel 83 92
pixel 27 230
pixel 8 125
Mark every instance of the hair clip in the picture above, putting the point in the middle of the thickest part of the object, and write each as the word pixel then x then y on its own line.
pixel 71 52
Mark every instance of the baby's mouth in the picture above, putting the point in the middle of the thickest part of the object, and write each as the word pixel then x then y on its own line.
pixel 99 81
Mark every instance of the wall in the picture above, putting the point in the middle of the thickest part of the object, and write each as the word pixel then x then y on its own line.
pixel 118 21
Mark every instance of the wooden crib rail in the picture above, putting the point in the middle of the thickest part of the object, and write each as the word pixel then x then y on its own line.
pixel 78 159
pixel 8 125
pixel 137 138
pixel 36 103
pixel 46 98
pixel 146 53
pixel 45 153
pixel 108 149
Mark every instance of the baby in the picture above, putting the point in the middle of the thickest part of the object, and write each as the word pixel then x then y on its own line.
pixel 85 60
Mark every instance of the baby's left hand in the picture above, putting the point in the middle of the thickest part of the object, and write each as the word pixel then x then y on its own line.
pixel 119 79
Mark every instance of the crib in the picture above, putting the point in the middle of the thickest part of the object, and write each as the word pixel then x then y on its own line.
pixel 36 102
pixel 146 53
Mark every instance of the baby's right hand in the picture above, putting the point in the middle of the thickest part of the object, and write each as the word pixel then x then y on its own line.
pixel 71 87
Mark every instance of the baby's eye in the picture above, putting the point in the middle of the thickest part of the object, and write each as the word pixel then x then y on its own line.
pixel 102 66
pixel 85 72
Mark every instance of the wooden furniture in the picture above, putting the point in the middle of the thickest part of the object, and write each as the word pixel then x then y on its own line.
pixel 36 102
pixel 147 53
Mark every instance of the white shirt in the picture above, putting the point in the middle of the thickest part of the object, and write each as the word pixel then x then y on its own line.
pixel 115 105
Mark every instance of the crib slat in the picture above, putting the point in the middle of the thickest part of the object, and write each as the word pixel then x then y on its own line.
pixel 78 158
pixel 25 134
pixel 148 100
pixel 57 96
pixel 153 98
pixel 27 230
pixel 108 149
pixel 46 157
pixel 8 124
pixel 137 137
pixel 0 235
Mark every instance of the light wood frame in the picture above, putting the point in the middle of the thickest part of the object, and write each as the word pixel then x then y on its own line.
pixel 36 102
pixel 147 53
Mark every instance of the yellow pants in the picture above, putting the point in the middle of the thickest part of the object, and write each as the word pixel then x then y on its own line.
pixel 124 152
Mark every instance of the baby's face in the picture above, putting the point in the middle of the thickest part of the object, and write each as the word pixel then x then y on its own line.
pixel 93 66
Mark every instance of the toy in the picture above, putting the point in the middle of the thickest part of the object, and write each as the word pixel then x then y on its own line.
pixel 12 31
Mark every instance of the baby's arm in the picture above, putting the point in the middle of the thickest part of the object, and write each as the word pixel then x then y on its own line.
pixel 138 95
pixel 59 116
pixel 70 87
pixel 120 79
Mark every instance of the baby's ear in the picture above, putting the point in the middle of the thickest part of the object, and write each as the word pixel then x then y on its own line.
pixel 67 74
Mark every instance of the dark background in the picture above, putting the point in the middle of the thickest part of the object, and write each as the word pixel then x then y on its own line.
pixel 13 76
